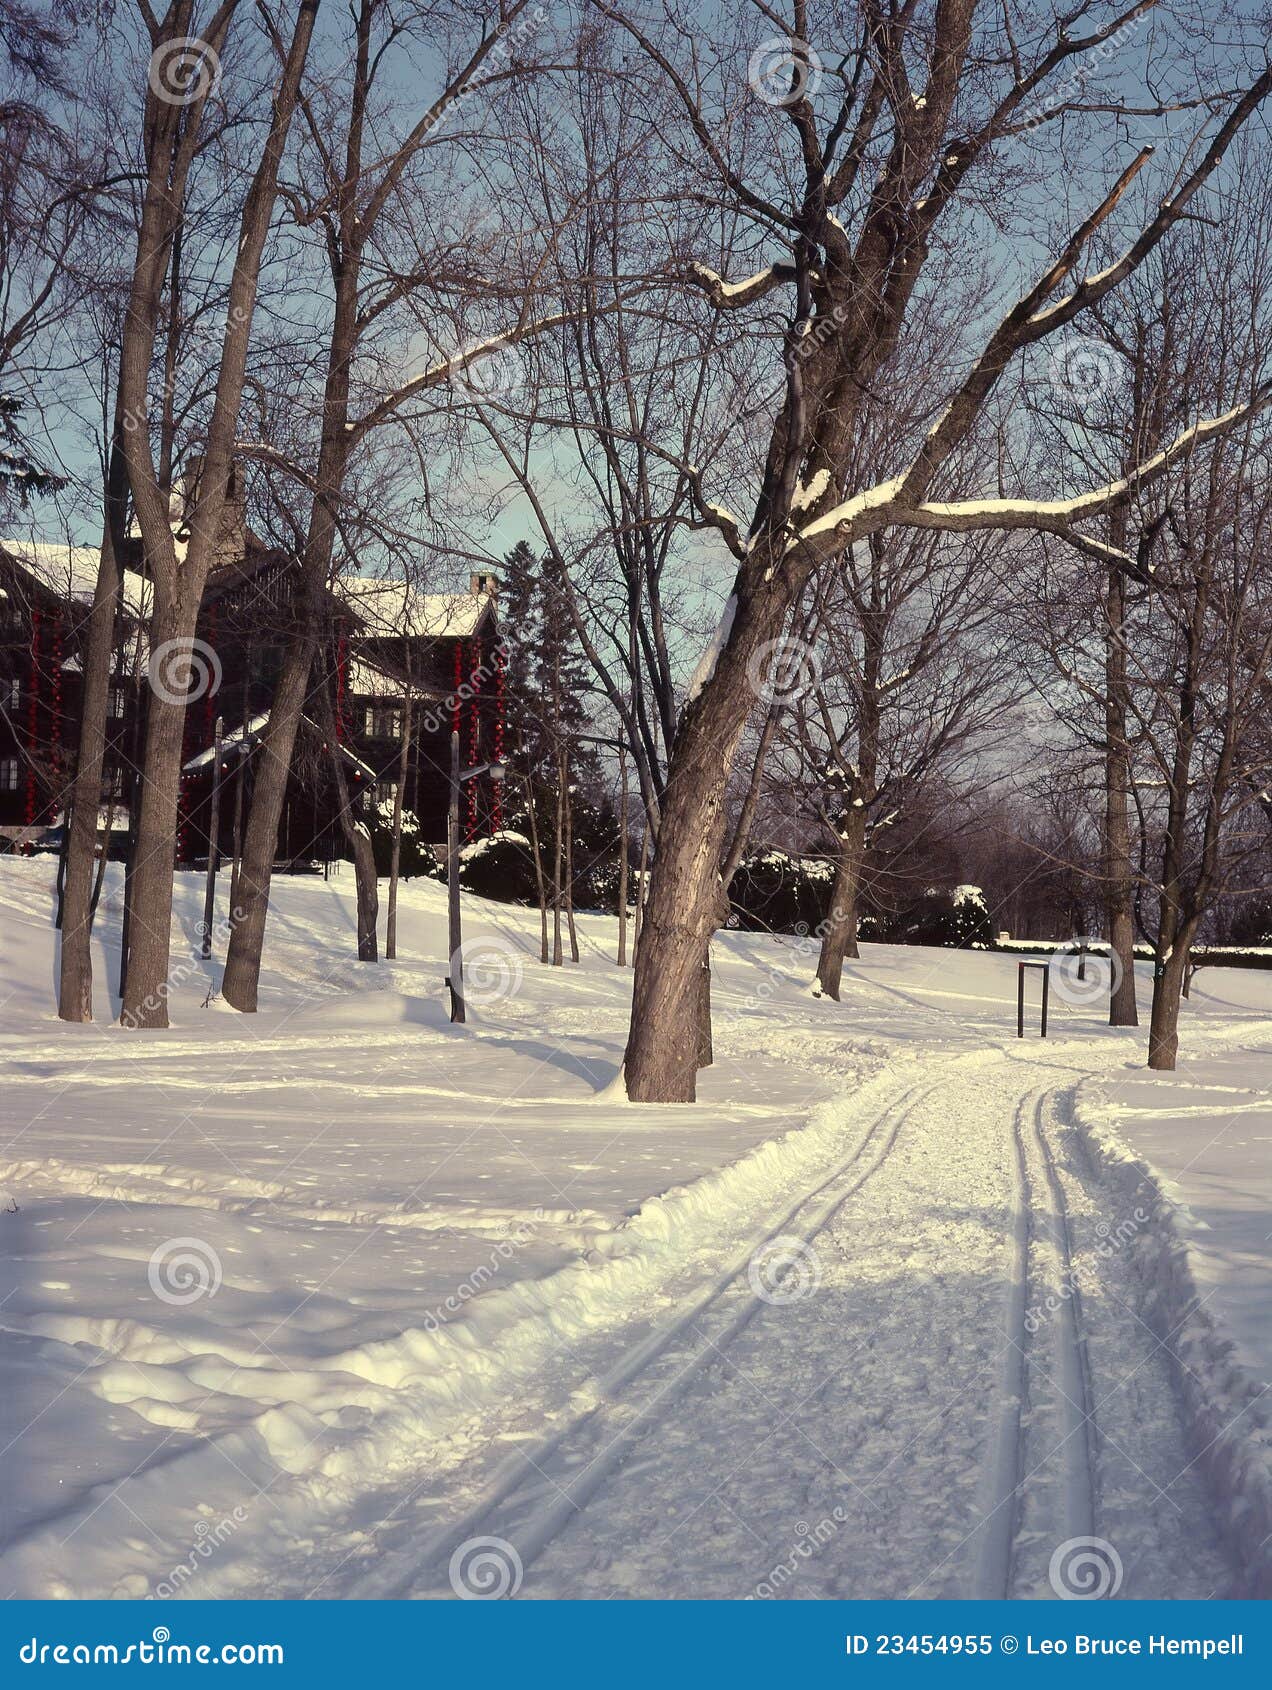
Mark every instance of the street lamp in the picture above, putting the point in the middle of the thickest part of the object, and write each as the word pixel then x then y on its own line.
pixel 495 769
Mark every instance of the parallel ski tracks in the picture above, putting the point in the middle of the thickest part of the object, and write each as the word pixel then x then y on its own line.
pixel 1044 1361
pixel 569 1476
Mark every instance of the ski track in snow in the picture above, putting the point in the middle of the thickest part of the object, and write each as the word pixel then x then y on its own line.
pixel 891 1435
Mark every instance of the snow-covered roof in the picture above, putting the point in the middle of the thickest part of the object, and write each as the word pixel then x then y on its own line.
pixel 235 738
pixel 392 607
pixel 71 571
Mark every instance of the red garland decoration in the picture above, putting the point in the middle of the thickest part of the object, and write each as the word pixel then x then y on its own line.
pixel 496 787
pixel 57 698
pixel 342 660
pixel 474 735
pixel 33 720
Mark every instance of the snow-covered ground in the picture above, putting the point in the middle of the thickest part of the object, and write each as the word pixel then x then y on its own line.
pixel 317 1301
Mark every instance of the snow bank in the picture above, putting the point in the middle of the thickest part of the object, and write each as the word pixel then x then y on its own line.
pixel 1225 1404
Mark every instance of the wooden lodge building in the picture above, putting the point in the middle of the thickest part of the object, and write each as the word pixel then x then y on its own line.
pixel 384 644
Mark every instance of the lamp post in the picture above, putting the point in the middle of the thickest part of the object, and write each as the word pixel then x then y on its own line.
pixel 455 979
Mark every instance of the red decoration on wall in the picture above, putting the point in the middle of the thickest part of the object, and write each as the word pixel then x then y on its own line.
pixel 56 730
pixel 474 734
pixel 496 787
pixel 342 678
pixel 33 721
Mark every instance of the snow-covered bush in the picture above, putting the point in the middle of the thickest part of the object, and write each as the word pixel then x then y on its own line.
pixel 500 867
pixel 957 918
pixel 778 893
pixel 416 859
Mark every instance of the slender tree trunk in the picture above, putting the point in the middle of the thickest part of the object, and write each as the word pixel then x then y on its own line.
pixel 558 849
pixel 390 933
pixel 75 983
pixel 1118 865
pixel 622 860
pixel 540 878
pixel 839 935
pixel 569 869
pixel 641 875
pixel 273 757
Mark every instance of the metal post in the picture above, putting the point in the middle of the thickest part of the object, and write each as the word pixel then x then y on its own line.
pixel 1020 1000
pixel 214 834
pixel 1082 956
pixel 455 979
pixel 1046 987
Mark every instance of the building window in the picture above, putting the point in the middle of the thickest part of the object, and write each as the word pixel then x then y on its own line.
pixel 384 791
pixel 384 721
pixel 13 694
pixel 115 703
pixel 8 774
pixel 113 782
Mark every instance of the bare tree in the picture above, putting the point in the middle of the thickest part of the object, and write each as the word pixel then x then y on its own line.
pixel 931 106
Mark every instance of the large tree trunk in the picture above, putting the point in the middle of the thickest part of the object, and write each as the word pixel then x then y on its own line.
pixel 150 907
pixel 75 982
pixel 839 935
pixel 684 903
pixel 1163 1030
pixel 1118 866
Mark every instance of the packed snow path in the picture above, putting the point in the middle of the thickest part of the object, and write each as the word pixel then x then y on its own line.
pixel 928 1382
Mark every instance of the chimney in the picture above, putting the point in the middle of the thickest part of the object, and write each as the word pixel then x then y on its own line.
pixel 486 585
